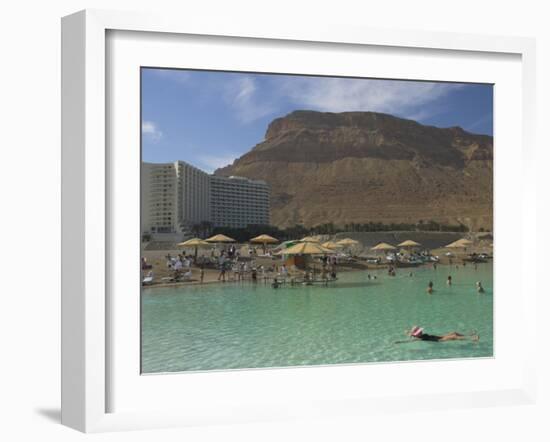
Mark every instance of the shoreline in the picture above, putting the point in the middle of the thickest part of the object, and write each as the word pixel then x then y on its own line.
pixel 265 280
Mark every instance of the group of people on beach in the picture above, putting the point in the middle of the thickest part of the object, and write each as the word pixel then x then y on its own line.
pixel 232 268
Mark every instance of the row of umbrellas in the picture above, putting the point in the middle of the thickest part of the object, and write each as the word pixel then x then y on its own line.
pixel 220 238
pixel 310 245
pixel 306 246
pixel 461 243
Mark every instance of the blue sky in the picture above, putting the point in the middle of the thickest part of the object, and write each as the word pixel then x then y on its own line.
pixel 210 118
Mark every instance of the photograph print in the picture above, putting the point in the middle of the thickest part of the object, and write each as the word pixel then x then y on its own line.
pixel 300 220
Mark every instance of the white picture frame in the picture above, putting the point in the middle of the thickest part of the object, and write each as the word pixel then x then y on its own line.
pixel 86 316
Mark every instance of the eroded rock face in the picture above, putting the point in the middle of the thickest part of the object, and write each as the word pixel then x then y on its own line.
pixel 365 166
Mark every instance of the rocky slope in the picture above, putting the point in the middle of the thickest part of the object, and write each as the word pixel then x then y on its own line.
pixel 365 166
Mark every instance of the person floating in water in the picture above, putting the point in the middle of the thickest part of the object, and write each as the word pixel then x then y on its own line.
pixel 275 284
pixel 430 288
pixel 449 280
pixel 479 287
pixel 418 333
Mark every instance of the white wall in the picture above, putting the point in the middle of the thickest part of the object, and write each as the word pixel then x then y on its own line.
pixel 29 172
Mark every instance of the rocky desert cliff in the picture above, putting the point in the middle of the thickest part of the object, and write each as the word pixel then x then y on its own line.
pixel 359 167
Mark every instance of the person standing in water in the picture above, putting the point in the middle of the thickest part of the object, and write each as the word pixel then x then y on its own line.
pixel 430 288
pixel 479 287
pixel 449 280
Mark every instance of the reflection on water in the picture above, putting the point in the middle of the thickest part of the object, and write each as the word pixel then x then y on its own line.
pixel 245 325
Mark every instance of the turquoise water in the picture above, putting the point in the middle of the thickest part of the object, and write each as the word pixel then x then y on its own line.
pixel 245 325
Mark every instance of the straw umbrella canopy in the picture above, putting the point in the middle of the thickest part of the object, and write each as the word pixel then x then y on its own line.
pixel 219 238
pixel 264 239
pixel 347 242
pixel 459 244
pixel 409 243
pixel 307 248
pixel 331 245
pixel 310 239
pixel 383 246
pixel 193 242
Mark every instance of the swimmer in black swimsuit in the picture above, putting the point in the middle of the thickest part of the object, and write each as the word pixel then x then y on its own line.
pixel 418 333
pixel 427 337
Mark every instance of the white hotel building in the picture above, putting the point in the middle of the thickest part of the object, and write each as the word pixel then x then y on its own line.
pixel 175 196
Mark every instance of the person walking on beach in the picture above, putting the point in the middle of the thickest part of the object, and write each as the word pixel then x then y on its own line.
pixel 242 270
pixel 221 265
pixel 202 273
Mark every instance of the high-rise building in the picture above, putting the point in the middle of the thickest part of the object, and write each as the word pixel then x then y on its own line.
pixel 176 196
pixel 159 198
pixel 193 195
pixel 238 202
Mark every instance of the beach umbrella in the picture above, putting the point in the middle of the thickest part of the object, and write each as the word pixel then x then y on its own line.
pixel 306 248
pixel 409 243
pixel 383 246
pixel 347 242
pixel 459 244
pixel 264 239
pixel 331 245
pixel 310 239
pixel 219 238
pixel 193 242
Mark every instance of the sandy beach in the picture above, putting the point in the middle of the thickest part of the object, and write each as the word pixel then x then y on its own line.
pixel 162 272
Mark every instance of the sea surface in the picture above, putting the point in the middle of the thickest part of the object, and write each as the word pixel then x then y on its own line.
pixel 354 320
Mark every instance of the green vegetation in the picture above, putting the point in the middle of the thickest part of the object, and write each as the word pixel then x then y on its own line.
pixel 299 231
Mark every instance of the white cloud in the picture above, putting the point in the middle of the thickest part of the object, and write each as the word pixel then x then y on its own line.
pixel 150 129
pixel 404 98
pixel 209 163
pixel 241 95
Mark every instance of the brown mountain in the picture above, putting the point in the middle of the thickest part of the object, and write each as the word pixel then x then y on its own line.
pixel 365 166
